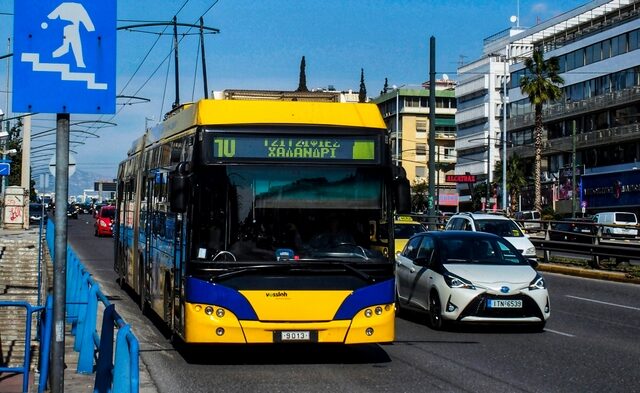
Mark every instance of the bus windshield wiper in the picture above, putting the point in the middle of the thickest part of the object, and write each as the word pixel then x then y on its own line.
pixel 242 270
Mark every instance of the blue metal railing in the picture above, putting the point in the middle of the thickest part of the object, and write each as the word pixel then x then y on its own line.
pixel 116 374
pixel 24 369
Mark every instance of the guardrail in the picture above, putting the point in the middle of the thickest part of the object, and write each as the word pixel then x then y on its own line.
pixel 44 335
pixel 116 374
pixel 593 241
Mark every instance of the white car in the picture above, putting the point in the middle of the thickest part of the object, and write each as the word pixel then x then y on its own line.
pixel 496 224
pixel 470 277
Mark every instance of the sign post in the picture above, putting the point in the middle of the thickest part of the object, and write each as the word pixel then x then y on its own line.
pixel 64 62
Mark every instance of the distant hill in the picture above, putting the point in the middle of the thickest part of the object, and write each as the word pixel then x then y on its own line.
pixel 78 182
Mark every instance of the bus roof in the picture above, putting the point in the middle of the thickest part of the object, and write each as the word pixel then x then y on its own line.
pixel 260 112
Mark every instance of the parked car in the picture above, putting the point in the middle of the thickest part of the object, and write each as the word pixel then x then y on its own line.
pixel 572 230
pixel 36 213
pixel 104 221
pixel 617 223
pixel 529 219
pixel 496 224
pixel 470 277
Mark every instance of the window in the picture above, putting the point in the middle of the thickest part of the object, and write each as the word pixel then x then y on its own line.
pixel 426 248
pixel 606 49
pixel 449 152
pixel 421 149
pixel 421 171
pixel 412 247
pixel 421 128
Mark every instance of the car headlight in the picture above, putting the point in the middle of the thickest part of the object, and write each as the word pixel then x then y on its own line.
pixel 537 283
pixel 454 281
pixel 103 224
pixel 530 250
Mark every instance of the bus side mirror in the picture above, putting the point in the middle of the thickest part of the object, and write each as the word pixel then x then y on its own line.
pixel 402 192
pixel 179 188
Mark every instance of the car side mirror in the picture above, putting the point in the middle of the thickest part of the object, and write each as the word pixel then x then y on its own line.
pixel 179 187
pixel 534 264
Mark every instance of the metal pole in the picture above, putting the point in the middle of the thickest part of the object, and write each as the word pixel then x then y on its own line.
pixel 505 100
pixel 25 176
pixel 397 125
pixel 204 63
pixel 432 127
pixel 60 260
pixel 175 56
pixel 573 169
pixel 486 206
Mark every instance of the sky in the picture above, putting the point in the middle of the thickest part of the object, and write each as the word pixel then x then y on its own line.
pixel 260 46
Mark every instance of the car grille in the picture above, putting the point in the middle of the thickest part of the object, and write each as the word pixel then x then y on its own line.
pixel 478 308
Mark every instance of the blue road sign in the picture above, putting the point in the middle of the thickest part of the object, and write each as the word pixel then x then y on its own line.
pixel 5 169
pixel 64 58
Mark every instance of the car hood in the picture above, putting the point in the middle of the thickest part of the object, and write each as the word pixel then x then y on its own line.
pixel 494 276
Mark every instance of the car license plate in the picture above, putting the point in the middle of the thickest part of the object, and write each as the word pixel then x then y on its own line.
pixel 500 303
pixel 295 336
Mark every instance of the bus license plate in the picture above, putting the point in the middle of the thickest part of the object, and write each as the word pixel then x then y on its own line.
pixel 500 303
pixel 297 335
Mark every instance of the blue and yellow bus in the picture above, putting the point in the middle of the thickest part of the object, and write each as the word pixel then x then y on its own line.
pixel 251 222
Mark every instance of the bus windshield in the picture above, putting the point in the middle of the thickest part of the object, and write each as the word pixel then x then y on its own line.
pixel 270 213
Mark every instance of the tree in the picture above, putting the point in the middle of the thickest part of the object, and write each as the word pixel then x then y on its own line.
pixel 385 88
pixel 419 196
pixel 540 84
pixel 302 83
pixel 362 94
pixel 515 179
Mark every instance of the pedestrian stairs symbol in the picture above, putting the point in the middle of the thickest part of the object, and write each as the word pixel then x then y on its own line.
pixel 63 69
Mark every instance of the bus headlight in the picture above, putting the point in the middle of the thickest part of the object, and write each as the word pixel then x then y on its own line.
pixel 220 313
pixel 368 313
pixel 378 310
pixel 208 310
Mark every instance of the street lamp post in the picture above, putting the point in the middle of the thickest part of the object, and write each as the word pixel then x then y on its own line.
pixel 397 89
pixel 505 99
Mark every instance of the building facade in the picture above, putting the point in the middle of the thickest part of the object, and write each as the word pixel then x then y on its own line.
pixel 406 111
pixel 598 48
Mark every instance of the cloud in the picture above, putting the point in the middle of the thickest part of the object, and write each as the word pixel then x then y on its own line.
pixel 540 8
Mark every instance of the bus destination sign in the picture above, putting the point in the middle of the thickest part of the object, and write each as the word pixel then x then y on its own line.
pixel 320 148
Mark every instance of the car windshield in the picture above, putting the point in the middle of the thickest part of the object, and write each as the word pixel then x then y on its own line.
pixel 479 251
pixel 405 231
pixel 504 228
pixel 108 213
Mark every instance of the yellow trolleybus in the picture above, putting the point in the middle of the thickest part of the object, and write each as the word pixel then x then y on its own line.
pixel 251 222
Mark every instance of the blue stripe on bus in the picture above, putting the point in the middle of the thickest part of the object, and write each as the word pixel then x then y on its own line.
pixel 382 293
pixel 199 291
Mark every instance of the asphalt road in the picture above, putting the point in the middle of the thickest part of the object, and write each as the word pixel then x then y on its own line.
pixel 590 345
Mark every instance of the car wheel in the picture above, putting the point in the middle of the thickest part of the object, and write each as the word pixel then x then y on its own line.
pixel 435 312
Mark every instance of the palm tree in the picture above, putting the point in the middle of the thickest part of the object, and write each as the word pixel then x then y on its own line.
pixel 515 179
pixel 540 84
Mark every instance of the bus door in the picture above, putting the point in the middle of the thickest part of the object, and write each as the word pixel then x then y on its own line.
pixel 144 238
pixel 162 248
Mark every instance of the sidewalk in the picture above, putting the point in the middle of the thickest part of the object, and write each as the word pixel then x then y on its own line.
pixel 586 272
pixel 73 382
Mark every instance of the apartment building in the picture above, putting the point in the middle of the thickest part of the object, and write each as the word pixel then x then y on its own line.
pixel 406 111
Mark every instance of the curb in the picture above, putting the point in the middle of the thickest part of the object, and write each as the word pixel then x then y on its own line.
pixel 587 273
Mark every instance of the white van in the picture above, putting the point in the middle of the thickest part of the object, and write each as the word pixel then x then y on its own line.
pixel 613 223
pixel 529 220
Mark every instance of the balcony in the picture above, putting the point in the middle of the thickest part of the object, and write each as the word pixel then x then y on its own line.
pixel 473 87
pixel 562 110
pixel 615 135
pixel 477 113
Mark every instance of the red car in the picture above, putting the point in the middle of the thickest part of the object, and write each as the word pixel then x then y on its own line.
pixel 104 221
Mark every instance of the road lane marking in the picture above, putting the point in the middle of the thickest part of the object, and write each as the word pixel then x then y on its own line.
pixel 560 333
pixel 606 303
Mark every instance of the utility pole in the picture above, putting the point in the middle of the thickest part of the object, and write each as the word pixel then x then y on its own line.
pixel 432 130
